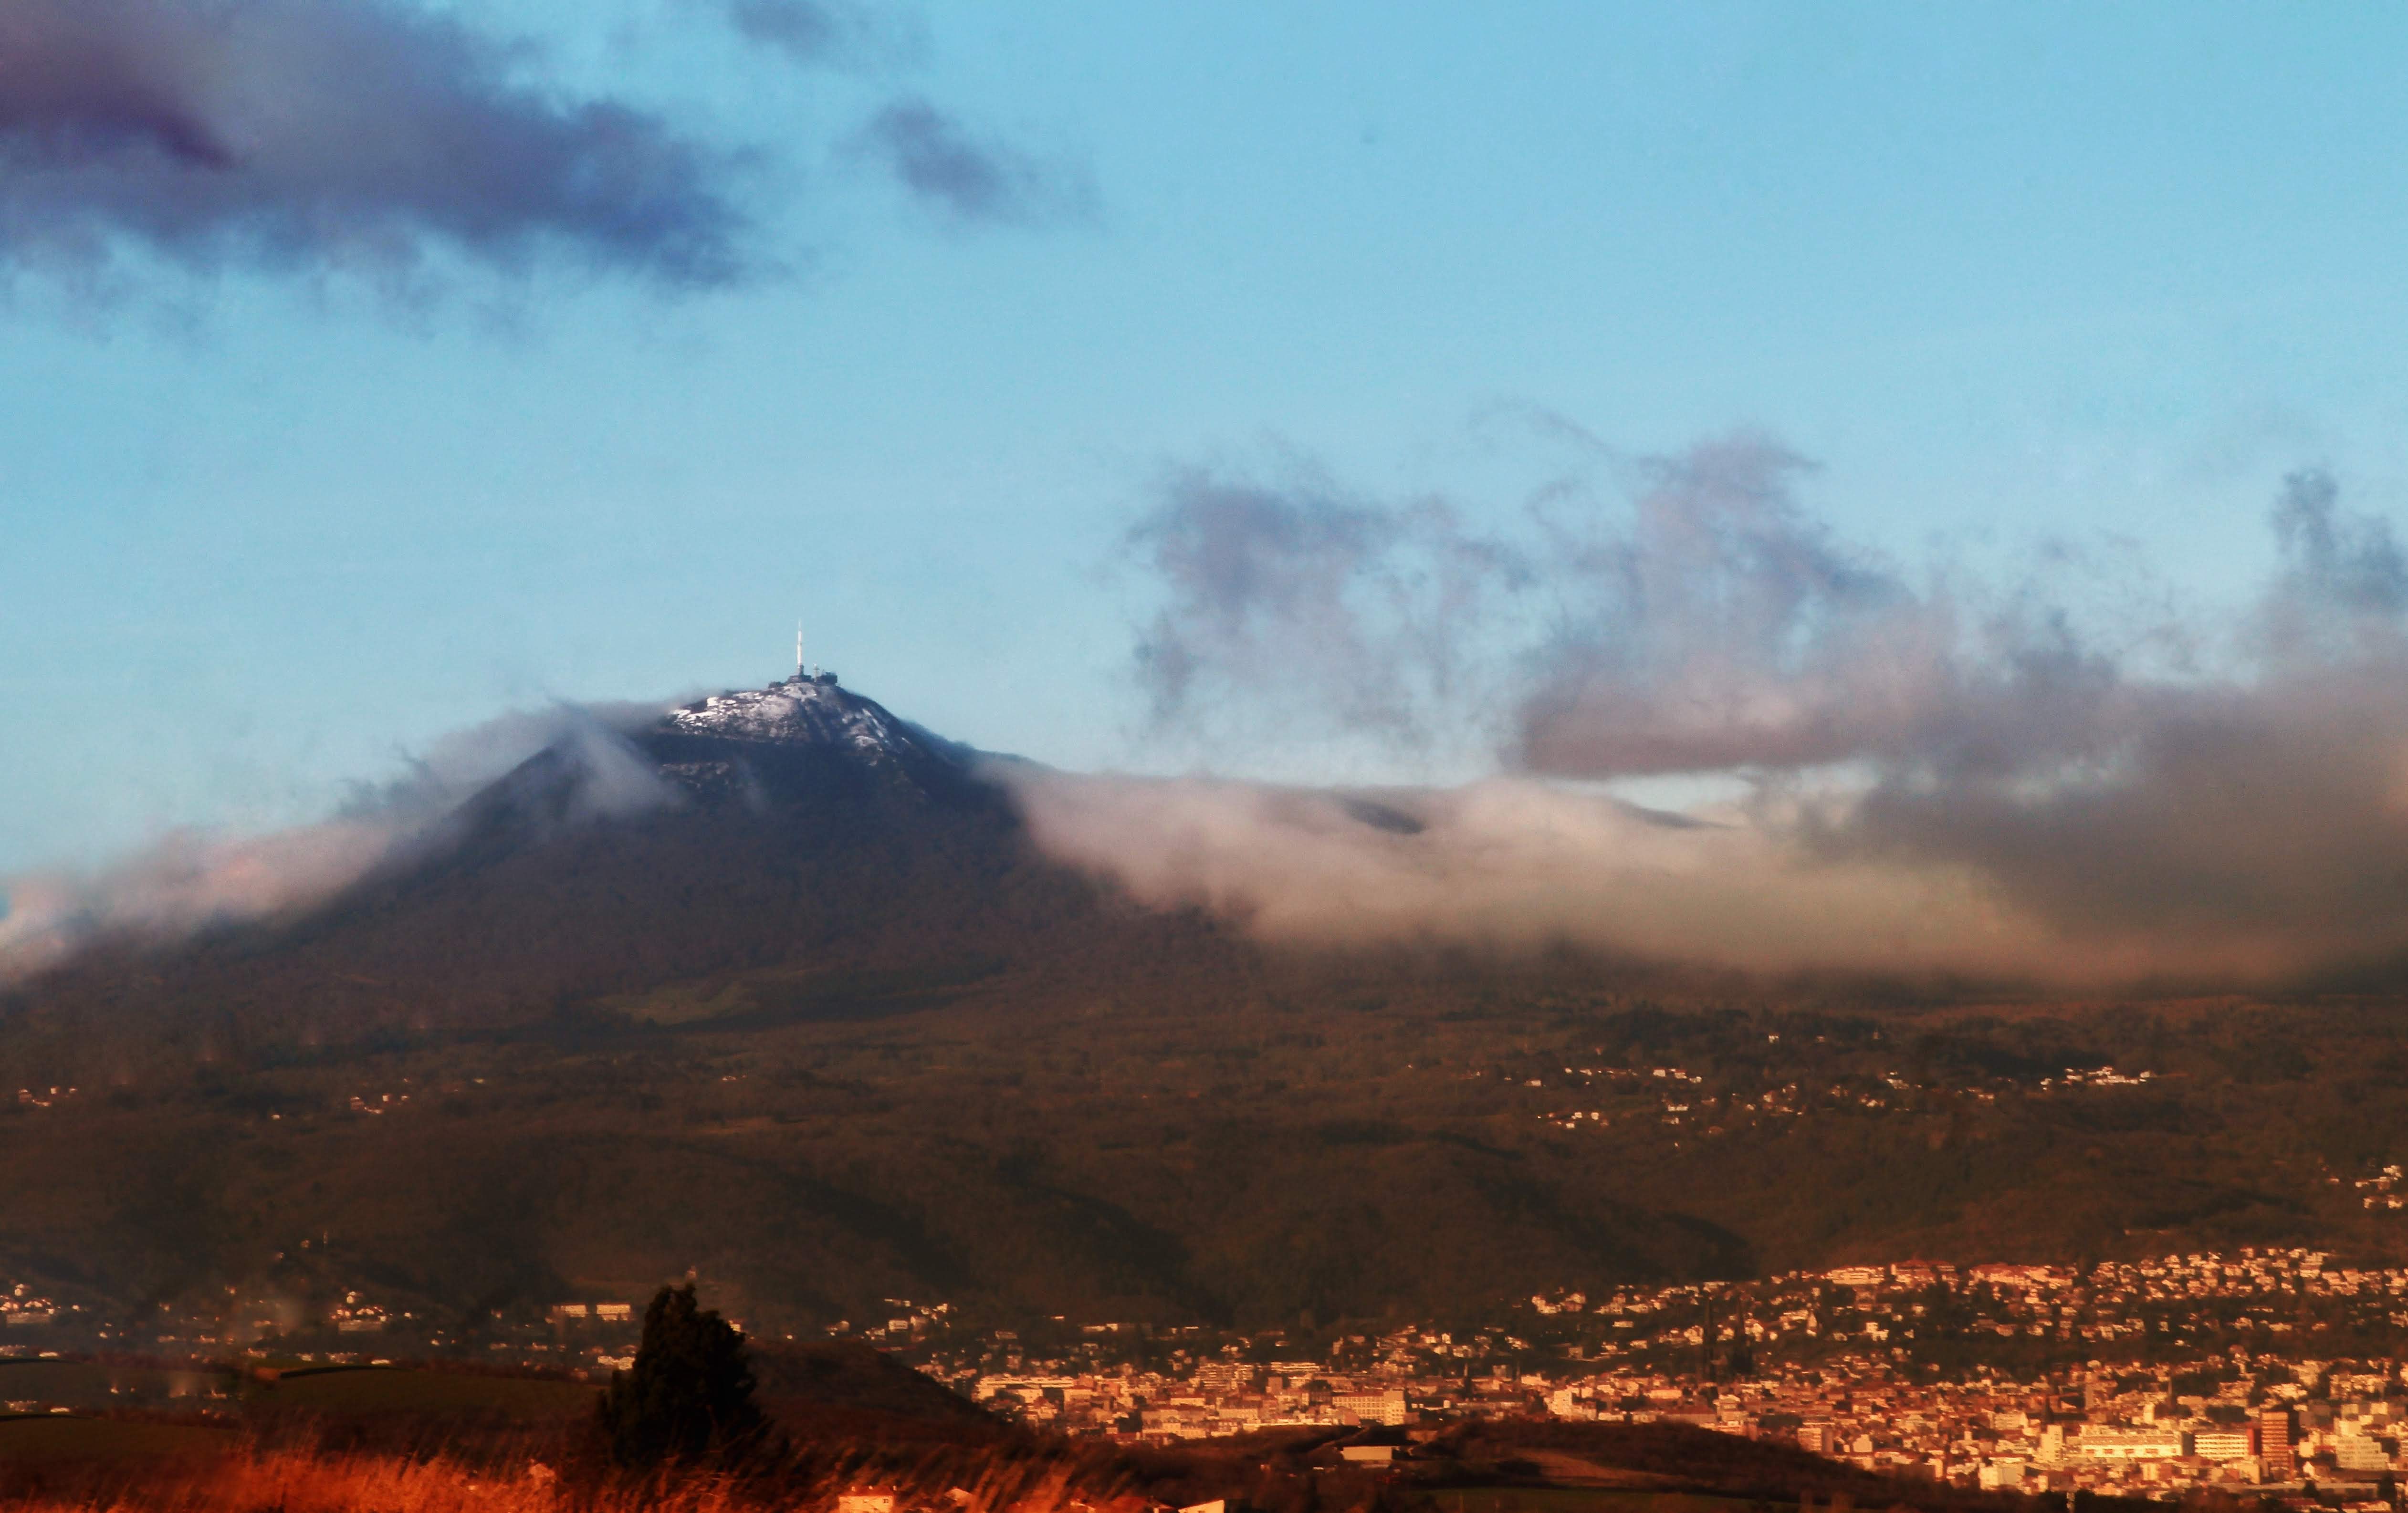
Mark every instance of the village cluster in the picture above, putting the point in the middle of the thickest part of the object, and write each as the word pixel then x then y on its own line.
pixel 2261 1368
pixel 1676 1098
pixel 20 1308
pixel 2277 1424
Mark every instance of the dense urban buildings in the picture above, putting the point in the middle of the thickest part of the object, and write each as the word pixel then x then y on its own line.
pixel 2261 1368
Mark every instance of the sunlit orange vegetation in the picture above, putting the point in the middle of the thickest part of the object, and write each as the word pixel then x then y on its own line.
pixel 256 1478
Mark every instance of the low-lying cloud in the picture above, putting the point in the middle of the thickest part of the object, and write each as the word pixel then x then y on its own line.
pixel 2049 779
pixel 1939 774
pixel 193 882
pixel 1519 863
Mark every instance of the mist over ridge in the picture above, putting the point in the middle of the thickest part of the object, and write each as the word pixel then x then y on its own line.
pixel 1935 775
pixel 1939 774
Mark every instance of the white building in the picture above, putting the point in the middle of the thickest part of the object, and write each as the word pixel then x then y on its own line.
pixel 1372 1407
pixel 2100 1444
pixel 2000 1474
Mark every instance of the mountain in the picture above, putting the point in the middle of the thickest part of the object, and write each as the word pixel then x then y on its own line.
pixel 774 988
pixel 798 825
pixel 710 740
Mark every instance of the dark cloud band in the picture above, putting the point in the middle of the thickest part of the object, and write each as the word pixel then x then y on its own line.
pixel 330 133
pixel 1945 776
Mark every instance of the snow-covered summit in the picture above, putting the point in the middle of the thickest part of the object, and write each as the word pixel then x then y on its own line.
pixel 802 709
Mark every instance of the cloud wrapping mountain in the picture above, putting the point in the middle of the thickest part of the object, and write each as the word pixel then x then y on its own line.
pixel 1934 777
pixel 192 881
pixel 1943 776
pixel 1521 865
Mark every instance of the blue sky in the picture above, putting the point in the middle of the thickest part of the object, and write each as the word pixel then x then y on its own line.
pixel 2004 273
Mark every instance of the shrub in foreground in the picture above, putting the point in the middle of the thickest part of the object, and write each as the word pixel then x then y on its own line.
pixel 689 1394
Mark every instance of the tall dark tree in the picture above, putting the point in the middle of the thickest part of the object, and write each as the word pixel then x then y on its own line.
pixel 689 1394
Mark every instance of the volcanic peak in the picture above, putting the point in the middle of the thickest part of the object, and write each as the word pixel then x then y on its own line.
pixel 806 708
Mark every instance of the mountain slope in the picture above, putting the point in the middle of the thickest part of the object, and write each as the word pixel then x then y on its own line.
pixel 775 988
pixel 799 823
pixel 715 898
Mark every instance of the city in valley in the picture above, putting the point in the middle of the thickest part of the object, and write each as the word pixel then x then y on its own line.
pixel 2272 1370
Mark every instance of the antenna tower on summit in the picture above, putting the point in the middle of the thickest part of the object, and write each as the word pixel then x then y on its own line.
pixel 805 672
